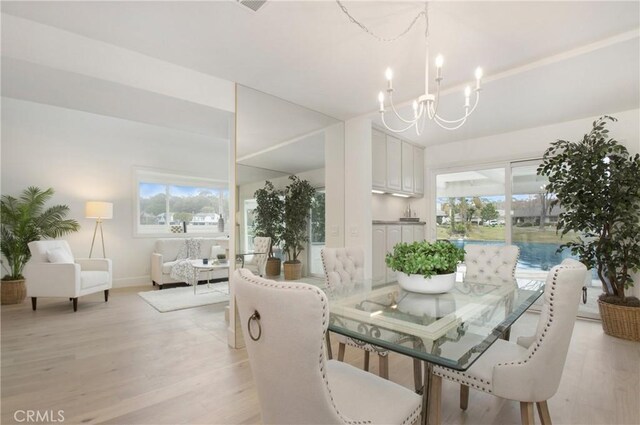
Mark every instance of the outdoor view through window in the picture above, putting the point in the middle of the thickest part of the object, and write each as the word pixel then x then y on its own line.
pixel 173 208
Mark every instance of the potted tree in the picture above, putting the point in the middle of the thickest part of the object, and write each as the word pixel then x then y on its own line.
pixel 597 183
pixel 425 267
pixel 24 220
pixel 268 222
pixel 298 197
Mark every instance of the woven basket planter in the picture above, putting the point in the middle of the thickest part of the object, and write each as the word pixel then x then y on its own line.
pixel 12 291
pixel 292 271
pixel 273 267
pixel 620 321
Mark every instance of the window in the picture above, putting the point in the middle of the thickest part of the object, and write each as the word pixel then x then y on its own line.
pixel 470 206
pixel 505 204
pixel 168 203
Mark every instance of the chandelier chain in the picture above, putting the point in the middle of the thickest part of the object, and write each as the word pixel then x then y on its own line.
pixel 386 39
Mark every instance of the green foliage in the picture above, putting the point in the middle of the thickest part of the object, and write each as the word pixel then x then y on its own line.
pixel 268 215
pixel 298 197
pixel 597 183
pixel 317 217
pixel 25 220
pixel 425 258
pixel 183 216
pixel 489 212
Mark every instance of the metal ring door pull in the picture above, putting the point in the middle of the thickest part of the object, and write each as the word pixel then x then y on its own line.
pixel 254 317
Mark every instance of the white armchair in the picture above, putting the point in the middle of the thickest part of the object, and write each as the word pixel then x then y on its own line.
pixel 530 370
pixel 53 272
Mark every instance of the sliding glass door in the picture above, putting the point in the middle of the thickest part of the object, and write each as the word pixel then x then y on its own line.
pixel 501 205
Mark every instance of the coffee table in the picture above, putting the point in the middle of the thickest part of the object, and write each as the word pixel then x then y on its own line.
pixel 209 267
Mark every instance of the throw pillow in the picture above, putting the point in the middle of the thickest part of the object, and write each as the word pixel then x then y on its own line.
pixel 59 255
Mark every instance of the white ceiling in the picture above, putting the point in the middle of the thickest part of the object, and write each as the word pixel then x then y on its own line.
pixel 310 54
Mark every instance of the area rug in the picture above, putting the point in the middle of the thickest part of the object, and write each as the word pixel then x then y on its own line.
pixel 181 298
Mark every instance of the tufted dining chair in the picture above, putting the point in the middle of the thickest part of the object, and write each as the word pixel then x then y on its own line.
pixel 491 263
pixel 301 387
pixel 528 371
pixel 344 267
pixel 257 262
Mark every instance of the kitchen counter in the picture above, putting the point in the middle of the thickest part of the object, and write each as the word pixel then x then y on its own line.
pixel 421 223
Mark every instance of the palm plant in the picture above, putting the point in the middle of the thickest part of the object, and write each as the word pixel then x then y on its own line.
pixel 26 219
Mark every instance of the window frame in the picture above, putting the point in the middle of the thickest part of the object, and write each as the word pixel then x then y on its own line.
pixel 171 178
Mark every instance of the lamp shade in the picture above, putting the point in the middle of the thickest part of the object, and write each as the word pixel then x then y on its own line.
pixel 97 209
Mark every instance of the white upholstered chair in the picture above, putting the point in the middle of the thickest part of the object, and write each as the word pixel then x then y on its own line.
pixel 53 272
pixel 528 371
pixel 491 263
pixel 257 262
pixel 344 267
pixel 284 326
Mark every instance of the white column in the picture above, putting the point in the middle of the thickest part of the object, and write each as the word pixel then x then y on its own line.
pixel 357 187
pixel 334 185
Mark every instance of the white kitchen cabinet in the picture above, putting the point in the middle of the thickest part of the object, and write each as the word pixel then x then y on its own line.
pixel 394 163
pixel 394 237
pixel 385 237
pixel 379 156
pixel 407 233
pixel 397 165
pixel 407 167
pixel 418 170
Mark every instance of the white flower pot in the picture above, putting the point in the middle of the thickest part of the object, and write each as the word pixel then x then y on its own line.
pixel 437 284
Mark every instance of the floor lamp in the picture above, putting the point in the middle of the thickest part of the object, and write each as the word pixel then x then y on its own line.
pixel 100 211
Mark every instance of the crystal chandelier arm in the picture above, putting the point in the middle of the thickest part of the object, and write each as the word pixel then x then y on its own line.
pixel 393 108
pixel 393 130
pixel 465 115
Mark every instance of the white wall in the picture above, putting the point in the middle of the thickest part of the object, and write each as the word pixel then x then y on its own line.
pixel 85 156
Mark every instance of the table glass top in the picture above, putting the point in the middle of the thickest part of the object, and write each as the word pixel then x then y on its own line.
pixel 451 329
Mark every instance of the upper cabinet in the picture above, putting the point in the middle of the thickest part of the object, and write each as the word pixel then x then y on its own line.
pixel 394 164
pixel 398 166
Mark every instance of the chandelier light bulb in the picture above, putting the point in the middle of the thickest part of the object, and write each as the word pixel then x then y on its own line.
pixel 388 74
pixel 467 93
pixel 478 73
pixel 381 100
pixel 439 61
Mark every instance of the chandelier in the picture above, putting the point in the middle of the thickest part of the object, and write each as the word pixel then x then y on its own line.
pixel 426 105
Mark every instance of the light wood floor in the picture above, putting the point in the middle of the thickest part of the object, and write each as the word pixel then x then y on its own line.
pixel 125 363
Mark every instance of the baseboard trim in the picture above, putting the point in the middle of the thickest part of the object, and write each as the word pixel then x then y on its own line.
pixel 128 282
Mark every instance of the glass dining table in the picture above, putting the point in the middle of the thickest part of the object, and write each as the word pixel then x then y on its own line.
pixel 452 329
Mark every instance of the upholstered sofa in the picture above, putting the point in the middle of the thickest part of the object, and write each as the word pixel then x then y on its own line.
pixel 165 255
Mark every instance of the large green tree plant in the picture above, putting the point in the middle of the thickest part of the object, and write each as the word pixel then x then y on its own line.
pixel 298 197
pixel 597 184
pixel 26 219
pixel 268 214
